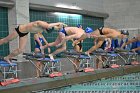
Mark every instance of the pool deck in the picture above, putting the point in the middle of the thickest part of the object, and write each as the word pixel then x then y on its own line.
pixel 33 84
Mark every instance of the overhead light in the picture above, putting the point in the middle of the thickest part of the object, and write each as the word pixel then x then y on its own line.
pixel 66 14
pixel 68 6
pixel 59 13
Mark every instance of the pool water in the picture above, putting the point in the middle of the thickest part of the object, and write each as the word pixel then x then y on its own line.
pixel 121 84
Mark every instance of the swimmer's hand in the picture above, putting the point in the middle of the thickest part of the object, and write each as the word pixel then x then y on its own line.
pixel 51 57
pixel 65 25
pixel 88 54
pixel 62 24
pixel 7 60
pixel 42 49
pixel 133 50
pixel 75 42
pixel 47 45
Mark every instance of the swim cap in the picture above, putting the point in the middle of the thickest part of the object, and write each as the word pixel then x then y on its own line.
pixel 88 30
pixel 124 32
pixel 49 30
pixel 79 25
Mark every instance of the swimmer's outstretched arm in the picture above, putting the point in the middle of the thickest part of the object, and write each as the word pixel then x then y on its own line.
pixel 129 41
pixel 105 36
pixel 47 25
pixel 84 36
pixel 42 24
pixel 57 24
pixel 66 38
pixel 136 49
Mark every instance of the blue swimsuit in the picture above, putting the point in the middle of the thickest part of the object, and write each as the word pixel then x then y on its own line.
pixel 37 44
pixel 63 31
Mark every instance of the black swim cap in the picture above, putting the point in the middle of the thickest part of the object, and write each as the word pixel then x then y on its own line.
pixel 124 32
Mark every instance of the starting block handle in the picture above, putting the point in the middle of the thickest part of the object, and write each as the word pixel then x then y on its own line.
pixel 38 55
pixel 74 53
pixel 14 59
pixel 2 58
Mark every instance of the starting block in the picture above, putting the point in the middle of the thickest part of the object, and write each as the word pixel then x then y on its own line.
pixel 128 57
pixel 51 67
pixel 55 74
pixel 112 59
pixel 85 63
pixel 87 67
pixel 7 69
pixel 134 59
pixel 9 81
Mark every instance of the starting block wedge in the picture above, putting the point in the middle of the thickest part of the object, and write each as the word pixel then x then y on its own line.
pixel 114 66
pixel 55 74
pixel 89 69
pixel 10 81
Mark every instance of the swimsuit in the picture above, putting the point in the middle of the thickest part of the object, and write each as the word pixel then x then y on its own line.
pixel 63 31
pixel 101 30
pixel 37 44
pixel 19 33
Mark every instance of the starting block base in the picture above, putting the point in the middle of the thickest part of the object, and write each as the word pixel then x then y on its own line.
pixel 88 69
pixel 55 74
pixel 114 66
pixel 10 81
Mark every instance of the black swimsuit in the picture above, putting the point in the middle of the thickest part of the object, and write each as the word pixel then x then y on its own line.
pixel 101 33
pixel 80 45
pixel 19 33
pixel 101 30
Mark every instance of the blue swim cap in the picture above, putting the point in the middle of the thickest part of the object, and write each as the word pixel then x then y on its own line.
pixel 79 25
pixel 88 30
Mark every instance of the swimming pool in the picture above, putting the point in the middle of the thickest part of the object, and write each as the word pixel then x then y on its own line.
pixel 121 84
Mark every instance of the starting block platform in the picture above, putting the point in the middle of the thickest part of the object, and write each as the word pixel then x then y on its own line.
pixel 85 63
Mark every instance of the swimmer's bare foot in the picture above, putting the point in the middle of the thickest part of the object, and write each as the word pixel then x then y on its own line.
pixel 51 56
pixel 7 60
